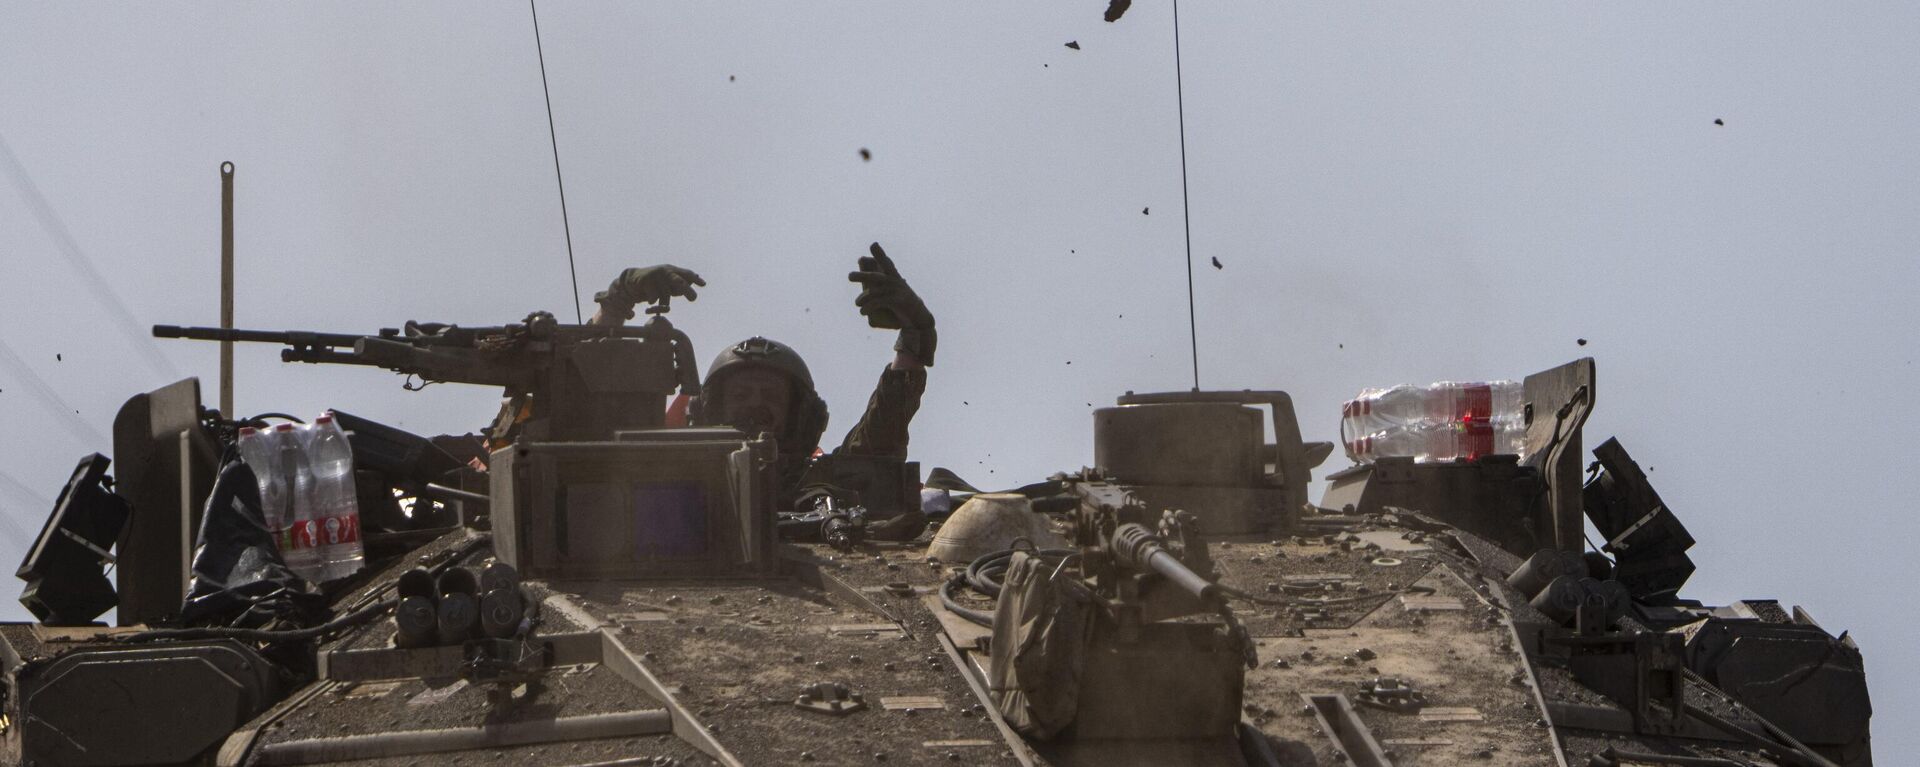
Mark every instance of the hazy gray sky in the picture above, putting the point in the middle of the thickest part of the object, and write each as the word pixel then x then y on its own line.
pixel 1397 192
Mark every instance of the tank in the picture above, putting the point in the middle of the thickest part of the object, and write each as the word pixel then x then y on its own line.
pixel 621 595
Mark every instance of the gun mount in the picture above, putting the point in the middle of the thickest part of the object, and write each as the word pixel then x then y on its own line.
pixel 567 382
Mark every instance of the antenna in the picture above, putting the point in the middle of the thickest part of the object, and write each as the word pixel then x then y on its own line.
pixel 557 180
pixel 90 275
pixel 226 288
pixel 1186 214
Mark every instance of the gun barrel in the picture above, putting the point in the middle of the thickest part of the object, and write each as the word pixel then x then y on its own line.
pixel 301 338
pixel 1136 547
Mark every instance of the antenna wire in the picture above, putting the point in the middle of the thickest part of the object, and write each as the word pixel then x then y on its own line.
pixel 553 139
pixel 1186 214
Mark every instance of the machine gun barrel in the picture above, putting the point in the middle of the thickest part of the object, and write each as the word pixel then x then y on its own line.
pixel 567 382
pixel 297 338
pixel 1136 547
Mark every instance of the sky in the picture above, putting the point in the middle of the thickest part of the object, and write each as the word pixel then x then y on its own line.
pixel 1395 193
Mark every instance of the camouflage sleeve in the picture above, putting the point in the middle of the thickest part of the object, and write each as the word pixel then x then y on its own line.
pixel 882 429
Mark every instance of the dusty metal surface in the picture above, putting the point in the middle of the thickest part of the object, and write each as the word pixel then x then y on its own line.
pixel 740 656
pixel 1378 634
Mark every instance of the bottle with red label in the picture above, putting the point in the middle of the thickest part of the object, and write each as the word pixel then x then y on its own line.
pixel 299 545
pixel 1475 419
pixel 336 521
pixel 1377 410
pixel 1441 422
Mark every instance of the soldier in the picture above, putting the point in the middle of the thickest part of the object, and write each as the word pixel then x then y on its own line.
pixel 761 386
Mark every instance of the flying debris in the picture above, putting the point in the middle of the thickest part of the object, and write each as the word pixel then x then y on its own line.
pixel 1580 341
pixel 1116 9
pixel 729 78
pixel 1075 44
pixel 1718 121
pixel 1138 611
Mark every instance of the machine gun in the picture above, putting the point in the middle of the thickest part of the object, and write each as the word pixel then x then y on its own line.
pixel 1138 672
pixel 568 382
pixel 1146 573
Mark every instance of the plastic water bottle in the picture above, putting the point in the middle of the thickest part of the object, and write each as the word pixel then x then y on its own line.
pixel 1476 419
pixel 300 545
pixel 1381 422
pixel 1476 401
pixel 256 451
pixel 1376 410
pixel 1395 441
pixel 336 503
pixel 1442 422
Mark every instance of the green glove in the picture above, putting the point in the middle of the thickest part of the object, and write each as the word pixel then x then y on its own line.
pixel 647 285
pixel 888 302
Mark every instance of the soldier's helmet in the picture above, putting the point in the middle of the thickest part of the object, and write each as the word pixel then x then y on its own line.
pixel 807 415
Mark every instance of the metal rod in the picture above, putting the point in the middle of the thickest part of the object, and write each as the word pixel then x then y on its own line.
pixel 623 663
pixel 408 743
pixel 226 287
pixel 185 456
pixel 1616 756
pixel 444 493
pixel 1347 731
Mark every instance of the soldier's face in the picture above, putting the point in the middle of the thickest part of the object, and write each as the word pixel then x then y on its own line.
pixel 757 401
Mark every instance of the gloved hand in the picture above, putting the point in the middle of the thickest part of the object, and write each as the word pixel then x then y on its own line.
pixel 646 285
pixel 888 302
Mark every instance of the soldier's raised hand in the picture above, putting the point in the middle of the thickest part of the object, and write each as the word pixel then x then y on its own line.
pixel 646 285
pixel 885 298
pixel 888 301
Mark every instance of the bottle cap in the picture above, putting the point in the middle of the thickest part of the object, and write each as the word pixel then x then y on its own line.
pixel 324 419
pixel 283 427
pixel 248 431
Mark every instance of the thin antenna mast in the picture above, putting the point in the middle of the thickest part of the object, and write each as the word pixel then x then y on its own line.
pixel 226 288
pixel 1186 215
pixel 555 141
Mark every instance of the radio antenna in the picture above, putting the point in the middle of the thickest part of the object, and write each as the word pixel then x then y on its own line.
pixel 1186 214
pixel 565 226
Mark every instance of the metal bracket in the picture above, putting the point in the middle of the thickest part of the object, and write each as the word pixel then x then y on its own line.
pixel 1619 542
pixel 830 698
